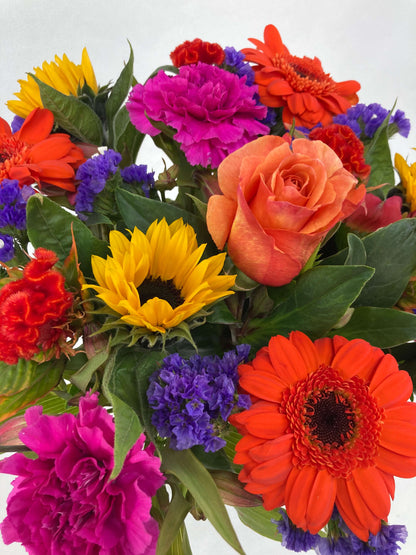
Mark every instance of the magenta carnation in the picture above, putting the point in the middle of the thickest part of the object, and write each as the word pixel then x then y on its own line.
pixel 213 111
pixel 64 502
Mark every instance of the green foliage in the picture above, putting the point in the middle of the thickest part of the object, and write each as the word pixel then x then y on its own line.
pixel 73 115
pixel 319 299
pixel 378 156
pixel 24 383
pixel 50 226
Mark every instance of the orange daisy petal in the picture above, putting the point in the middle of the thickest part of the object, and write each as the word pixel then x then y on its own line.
pixel 285 357
pixel 36 126
pixel 395 463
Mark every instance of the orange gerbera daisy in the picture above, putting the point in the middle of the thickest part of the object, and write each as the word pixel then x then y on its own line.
pixel 329 425
pixel 299 85
pixel 34 155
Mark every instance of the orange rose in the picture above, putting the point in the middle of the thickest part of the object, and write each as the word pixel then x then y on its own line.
pixel 278 202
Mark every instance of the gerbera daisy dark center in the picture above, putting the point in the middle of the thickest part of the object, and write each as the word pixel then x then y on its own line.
pixel 166 290
pixel 330 418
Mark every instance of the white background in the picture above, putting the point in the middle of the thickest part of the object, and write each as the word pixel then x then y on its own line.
pixel 373 42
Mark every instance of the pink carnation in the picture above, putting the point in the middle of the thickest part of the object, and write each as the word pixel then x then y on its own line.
pixel 213 111
pixel 64 502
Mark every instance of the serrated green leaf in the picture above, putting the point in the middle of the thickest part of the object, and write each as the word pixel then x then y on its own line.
pixel 260 520
pixel 317 302
pixel 26 382
pixel 71 114
pixel 194 476
pixel 49 226
pixel 382 327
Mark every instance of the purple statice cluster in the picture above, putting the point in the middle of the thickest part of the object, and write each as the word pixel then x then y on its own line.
pixel 213 111
pixel 364 120
pixel 234 62
pixel 138 175
pixel 192 399
pixel 93 175
pixel 96 171
pixel 340 540
pixel 12 213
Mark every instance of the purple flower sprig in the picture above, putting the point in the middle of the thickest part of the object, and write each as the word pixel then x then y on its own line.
pixel 364 120
pixel 191 397
pixel 339 539
pixel 95 176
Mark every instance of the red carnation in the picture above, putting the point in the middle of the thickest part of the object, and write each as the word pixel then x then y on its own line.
pixel 345 143
pixel 33 311
pixel 191 52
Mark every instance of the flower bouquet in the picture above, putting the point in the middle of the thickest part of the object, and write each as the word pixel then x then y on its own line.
pixel 228 332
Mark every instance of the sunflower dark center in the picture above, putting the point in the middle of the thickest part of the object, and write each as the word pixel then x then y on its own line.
pixel 166 290
pixel 330 418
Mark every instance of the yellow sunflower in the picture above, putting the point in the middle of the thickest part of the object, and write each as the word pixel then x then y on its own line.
pixel 408 178
pixel 156 280
pixel 62 74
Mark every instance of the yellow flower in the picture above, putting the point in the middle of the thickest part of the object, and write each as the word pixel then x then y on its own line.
pixel 156 280
pixel 408 178
pixel 63 75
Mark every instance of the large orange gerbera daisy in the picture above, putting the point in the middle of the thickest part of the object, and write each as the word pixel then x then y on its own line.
pixel 299 85
pixel 34 155
pixel 329 425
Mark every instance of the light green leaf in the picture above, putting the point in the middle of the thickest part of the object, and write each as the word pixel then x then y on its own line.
pixel 194 476
pixel 173 522
pixel 24 383
pixel 260 520
pixel 118 94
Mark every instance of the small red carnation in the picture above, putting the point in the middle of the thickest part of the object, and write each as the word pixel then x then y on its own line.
pixel 33 311
pixel 191 52
pixel 345 143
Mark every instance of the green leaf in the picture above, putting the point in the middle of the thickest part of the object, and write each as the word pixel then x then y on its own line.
pixel 117 96
pixel 382 327
pixel 260 520
pixel 26 382
pixel 49 226
pixel 127 139
pixel 378 156
pixel 194 476
pixel 138 211
pixel 83 376
pixel 71 114
pixel 173 521
pixel 319 300
pixel 357 255
pixel 125 383
pixel 391 252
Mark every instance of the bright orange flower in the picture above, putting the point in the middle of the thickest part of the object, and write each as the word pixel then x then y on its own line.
pixel 299 85
pixel 329 424
pixel 33 154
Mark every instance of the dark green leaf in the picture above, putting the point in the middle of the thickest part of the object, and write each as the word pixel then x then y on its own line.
pixel 357 255
pixel 83 376
pixel 49 226
pixel 378 156
pixel 382 327
pixel 72 114
pixel 127 139
pixel 391 252
pixel 118 94
pixel 125 384
pixel 194 476
pixel 315 305
pixel 138 211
